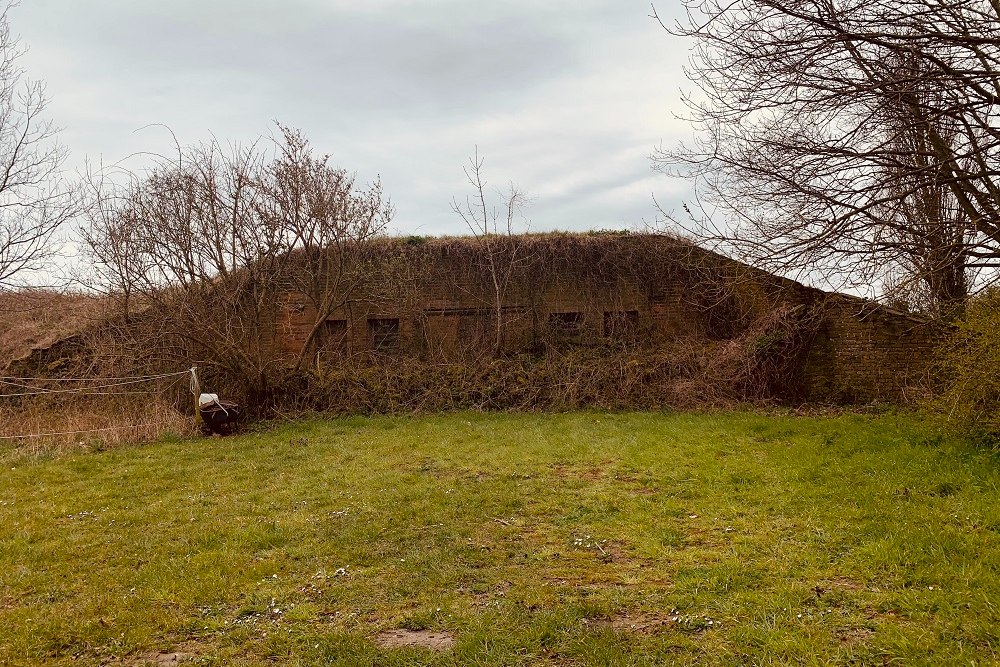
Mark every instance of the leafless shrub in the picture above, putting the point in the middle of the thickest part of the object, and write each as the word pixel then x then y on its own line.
pixel 492 225
pixel 204 245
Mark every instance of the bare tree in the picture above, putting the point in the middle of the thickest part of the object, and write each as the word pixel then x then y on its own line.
pixel 850 137
pixel 329 221
pixel 205 244
pixel 493 225
pixel 927 234
pixel 35 199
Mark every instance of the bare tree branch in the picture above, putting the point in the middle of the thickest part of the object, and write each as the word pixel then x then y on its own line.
pixel 858 138
pixel 493 227
pixel 35 198
pixel 205 243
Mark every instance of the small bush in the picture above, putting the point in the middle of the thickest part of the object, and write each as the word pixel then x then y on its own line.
pixel 969 394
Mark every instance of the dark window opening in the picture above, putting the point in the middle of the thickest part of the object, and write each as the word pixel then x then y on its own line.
pixel 384 333
pixel 333 334
pixel 477 332
pixel 621 323
pixel 566 324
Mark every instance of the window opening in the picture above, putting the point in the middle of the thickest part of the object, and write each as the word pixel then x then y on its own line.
pixel 621 323
pixel 566 324
pixel 384 333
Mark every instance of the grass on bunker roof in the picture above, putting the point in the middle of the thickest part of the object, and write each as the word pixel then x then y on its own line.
pixel 570 539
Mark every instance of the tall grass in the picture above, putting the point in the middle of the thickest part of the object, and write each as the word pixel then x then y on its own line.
pixel 91 424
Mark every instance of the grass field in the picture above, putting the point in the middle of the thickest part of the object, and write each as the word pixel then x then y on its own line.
pixel 576 539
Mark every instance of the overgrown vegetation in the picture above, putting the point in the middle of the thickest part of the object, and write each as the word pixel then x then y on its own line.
pixel 575 539
pixel 743 341
pixel 205 245
pixel 90 423
pixel 969 395
pixel 33 319
pixel 760 367
pixel 741 333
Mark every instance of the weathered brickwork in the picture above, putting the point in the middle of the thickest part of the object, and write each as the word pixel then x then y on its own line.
pixel 604 290
pixel 863 352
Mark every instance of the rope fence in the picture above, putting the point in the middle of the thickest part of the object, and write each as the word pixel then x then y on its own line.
pixel 53 434
pixel 111 383
pixel 93 386
pixel 93 379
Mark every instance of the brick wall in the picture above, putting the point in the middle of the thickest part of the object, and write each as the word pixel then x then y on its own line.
pixel 599 290
pixel 863 352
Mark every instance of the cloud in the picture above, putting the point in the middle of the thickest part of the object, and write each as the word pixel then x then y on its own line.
pixel 567 99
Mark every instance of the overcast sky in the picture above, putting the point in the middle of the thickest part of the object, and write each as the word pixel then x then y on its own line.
pixel 567 99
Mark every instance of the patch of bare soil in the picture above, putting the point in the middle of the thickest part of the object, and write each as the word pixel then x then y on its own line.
pixel 854 635
pixel 642 624
pixel 166 659
pixel 429 639
pixel 843 583
pixel 639 487
pixel 590 473
pixel 837 584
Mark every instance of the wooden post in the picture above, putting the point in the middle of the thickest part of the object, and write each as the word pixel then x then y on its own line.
pixel 196 390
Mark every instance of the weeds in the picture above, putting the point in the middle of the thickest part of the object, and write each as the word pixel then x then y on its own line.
pixel 687 373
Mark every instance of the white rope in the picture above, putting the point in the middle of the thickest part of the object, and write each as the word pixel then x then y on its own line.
pixel 36 391
pixel 118 382
pixel 88 393
pixel 92 379
pixel 92 430
pixel 88 390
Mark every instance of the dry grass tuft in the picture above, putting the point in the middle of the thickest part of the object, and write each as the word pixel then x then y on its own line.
pixel 37 319
pixel 89 425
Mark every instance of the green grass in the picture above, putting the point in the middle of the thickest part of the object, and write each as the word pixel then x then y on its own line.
pixel 533 539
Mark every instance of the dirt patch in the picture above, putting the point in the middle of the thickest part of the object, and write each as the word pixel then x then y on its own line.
pixel 166 659
pixel 872 614
pixel 180 654
pixel 837 584
pixel 486 596
pixel 429 639
pixel 854 635
pixel 637 486
pixel 590 473
pixel 641 624
pixel 845 584
pixel 612 552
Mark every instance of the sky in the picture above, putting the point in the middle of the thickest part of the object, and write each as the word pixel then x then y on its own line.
pixel 566 99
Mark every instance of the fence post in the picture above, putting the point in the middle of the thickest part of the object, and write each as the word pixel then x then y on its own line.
pixel 196 390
